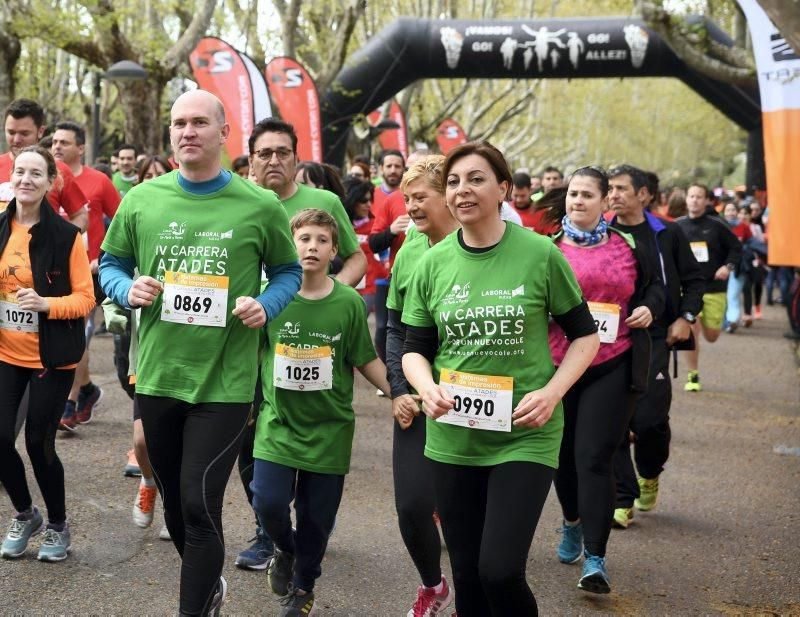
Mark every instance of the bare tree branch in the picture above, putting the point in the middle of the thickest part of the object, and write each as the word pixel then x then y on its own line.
pixel 483 110
pixel 188 40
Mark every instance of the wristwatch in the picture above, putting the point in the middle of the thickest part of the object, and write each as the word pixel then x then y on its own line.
pixel 690 317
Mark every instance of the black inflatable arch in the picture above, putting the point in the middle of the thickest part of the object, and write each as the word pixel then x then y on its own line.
pixel 410 49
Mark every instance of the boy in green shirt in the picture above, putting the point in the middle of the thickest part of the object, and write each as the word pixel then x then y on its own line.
pixel 305 428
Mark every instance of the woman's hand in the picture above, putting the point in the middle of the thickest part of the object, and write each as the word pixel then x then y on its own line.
pixel 436 402
pixel 404 408
pixel 29 300
pixel 641 317
pixel 535 408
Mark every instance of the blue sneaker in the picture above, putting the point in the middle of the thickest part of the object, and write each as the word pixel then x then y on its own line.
pixel 594 577
pixel 19 533
pixel 69 419
pixel 56 545
pixel 257 557
pixel 571 545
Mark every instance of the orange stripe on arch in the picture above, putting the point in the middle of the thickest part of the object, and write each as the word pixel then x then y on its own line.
pixel 782 154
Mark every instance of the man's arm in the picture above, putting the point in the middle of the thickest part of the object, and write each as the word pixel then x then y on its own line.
pixel 353 269
pixel 80 218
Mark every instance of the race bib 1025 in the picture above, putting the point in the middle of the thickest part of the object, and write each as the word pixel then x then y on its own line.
pixel 303 369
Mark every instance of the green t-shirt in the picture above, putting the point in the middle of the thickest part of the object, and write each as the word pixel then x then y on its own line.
pixel 412 233
pixel 309 197
pixel 491 310
pixel 229 233
pixel 121 184
pixel 313 429
pixel 403 269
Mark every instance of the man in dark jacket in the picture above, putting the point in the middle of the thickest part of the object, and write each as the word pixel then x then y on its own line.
pixel 628 196
pixel 718 251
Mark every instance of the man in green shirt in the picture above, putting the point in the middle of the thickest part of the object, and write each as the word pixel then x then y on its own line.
pixel 273 160
pixel 199 237
pixel 125 177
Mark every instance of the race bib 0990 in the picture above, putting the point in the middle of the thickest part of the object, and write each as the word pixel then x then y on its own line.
pixel 482 402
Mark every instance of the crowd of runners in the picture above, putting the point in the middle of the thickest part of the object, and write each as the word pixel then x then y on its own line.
pixel 524 333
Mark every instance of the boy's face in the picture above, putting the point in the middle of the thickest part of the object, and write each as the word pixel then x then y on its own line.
pixel 314 247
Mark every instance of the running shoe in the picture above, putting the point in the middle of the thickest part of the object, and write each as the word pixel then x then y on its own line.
pixel 56 545
pixel 219 597
pixel 280 572
pixel 164 534
pixel 132 469
pixel 648 494
pixel 594 577
pixel 144 506
pixel 429 603
pixel 571 546
pixel 693 382
pixel 295 605
pixel 258 556
pixel 748 320
pixel 756 312
pixel 69 420
pixel 731 328
pixel 87 404
pixel 622 518
pixel 19 533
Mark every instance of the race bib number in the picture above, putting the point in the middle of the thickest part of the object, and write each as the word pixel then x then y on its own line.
pixel 16 319
pixel 303 369
pixel 483 402
pixel 606 318
pixel 700 250
pixel 195 299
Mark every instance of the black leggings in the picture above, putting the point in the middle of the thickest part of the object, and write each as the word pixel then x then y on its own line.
pixel 48 391
pixel 246 460
pixel 414 499
pixel 597 412
pixel 192 450
pixel 489 516
pixel 381 319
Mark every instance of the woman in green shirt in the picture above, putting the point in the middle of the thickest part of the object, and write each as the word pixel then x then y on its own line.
pixel 476 350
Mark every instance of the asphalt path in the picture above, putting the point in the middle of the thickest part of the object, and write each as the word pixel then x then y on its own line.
pixel 723 539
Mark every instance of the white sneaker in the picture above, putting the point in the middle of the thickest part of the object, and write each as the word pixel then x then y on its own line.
pixel 164 534
pixel 144 506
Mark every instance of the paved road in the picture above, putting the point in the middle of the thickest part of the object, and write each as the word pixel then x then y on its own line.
pixel 723 540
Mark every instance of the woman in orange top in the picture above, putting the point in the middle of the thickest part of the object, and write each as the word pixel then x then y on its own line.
pixel 45 292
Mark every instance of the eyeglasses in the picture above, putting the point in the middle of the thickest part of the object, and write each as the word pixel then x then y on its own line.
pixel 593 168
pixel 265 154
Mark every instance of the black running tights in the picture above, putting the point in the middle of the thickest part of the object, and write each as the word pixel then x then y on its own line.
pixel 48 395
pixel 597 412
pixel 414 500
pixel 489 516
pixel 192 449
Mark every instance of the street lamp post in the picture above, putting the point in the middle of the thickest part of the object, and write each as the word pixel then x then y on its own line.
pixel 124 70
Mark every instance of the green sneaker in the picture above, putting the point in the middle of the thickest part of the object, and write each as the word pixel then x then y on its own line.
pixel 279 572
pixel 19 533
pixel 693 382
pixel 648 494
pixel 56 545
pixel 622 518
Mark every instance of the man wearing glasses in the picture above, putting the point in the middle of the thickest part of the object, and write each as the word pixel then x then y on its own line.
pixel 273 159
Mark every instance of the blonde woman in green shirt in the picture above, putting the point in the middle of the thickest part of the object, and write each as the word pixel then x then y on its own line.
pixel 476 350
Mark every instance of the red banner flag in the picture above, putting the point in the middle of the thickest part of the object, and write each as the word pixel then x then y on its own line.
pixel 392 139
pixel 449 134
pixel 295 97
pixel 218 68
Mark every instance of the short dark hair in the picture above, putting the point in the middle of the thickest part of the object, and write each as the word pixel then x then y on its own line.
pixel 144 164
pixel 271 125
pixel 521 180
pixel 551 169
pixel 485 150
pixel 700 186
pixel 637 176
pixel 356 191
pixel 592 171
pixel 46 141
pixel 25 108
pixel 80 133
pixel 361 158
pixel 128 147
pixel 52 170
pixel 391 152
pixel 103 168
pixel 323 176
pixel 652 182
pixel 240 161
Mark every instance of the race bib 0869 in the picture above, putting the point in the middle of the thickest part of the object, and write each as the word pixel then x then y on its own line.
pixel 195 299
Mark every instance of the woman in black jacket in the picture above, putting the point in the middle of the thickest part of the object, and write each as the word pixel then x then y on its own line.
pixel 45 292
pixel 624 292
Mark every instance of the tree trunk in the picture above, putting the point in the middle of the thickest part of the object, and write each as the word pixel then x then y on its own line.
pixel 785 14
pixel 9 54
pixel 141 106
